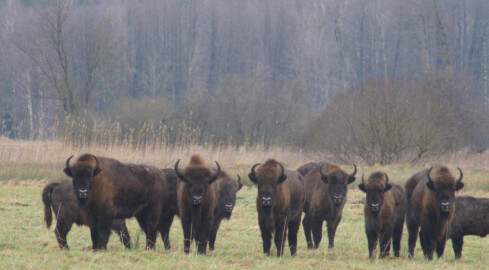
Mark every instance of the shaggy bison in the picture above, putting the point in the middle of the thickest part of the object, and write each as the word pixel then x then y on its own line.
pixel 226 199
pixel 431 196
pixel 326 188
pixel 384 213
pixel 279 204
pixel 470 218
pixel 61 197
pixel 107 189
pixel 196 201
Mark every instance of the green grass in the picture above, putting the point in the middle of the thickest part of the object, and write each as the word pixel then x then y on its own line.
pixel 25 243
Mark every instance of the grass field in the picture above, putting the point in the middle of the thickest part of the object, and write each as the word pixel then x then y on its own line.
pixel 25 243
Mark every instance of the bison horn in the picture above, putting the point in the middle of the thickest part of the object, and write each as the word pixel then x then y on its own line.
pixel 363 178
pixel 177 171
pixel 461 175
pixel 253 169
pixel 282 169
pixel 97 163
pixel 354 170
pixel 429 177
pixel 386 178
pixel 218 172
pixel 68 164
pixel 239 178
pixel 321 171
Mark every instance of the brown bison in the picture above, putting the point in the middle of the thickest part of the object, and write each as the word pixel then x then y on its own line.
pixel 61 197
pixel 384 213
pixel 326 188
pixel 106 190
pixel 197 199
pixel 431 196
pixel 279 204
pixel 226 199
pixel 470 218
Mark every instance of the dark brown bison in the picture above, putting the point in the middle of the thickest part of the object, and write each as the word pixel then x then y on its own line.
pixel 470 218
pixel 61 197
pixel 431 196
pixel 197 199
pixel 107 189
pixel 384 211
pixel 279 204
pixel 326 192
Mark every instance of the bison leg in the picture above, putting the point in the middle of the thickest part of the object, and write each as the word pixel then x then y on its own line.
pixel 457 243
pixel 385 243
pixel 317 231
pixel 149 222
pixel 332 226
pixel 306 222
pixel 120 228
pixel 213 233
pixel 280 237
pixel 266 236
pixel 396 238
pixel 427 238
pixel 103 234
pixel 293 231
pixel 413 228
pixel 372 237
pixel 61 231
pixel 440 247
pixel 187 228
pixel 164 229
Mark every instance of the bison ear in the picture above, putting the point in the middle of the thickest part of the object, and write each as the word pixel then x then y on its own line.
pixel 324 178
pixel 430 185
pixel 351 179
pixel 281 179
pixel 67 171
pixel 459 186
pixel 387 187
pixel 362 187
pixel 252 178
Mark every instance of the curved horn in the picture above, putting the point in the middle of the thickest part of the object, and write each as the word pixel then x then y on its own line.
pixel 386 178
pixel 177 171
pixel 253 168
pixel 321 171
pixel 282 169
pixel 68 161
pixel 363 178
pixel 239 178
pixel 97 163
pixel 461 175
pixel 429 177
pixel 354 170
pixel 218 172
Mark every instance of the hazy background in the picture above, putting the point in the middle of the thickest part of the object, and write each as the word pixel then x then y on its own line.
pixel 372 80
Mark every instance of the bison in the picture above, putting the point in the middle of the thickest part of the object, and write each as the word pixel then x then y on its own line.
pixel 107 189
pixel 197 199
pixel 431 195
pixel 384 213
pixel 326 192
pixel 226 199
pixel 279 204
pixel 470 218
pixel 61 197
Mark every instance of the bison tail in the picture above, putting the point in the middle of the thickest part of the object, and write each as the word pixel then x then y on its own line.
pixel 46 199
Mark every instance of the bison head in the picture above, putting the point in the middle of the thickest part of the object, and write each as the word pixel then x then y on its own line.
pixel 375 188
pixel 337 182
pixel 82 175
pixel 444 187
pixel 267 180
pixel 227 196
pixel 198 179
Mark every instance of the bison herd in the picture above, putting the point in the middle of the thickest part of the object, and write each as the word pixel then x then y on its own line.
pixel 104 192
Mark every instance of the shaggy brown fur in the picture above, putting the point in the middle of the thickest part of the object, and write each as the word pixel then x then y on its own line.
pixel 61 197
pixel 325 198
pixel 384 212
pixel 107 189
pixel 279 204
pixel 431 206
pixel 196 198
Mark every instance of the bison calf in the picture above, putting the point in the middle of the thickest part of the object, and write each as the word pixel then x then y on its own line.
pixel 61 197
pixel 326 189
pixel 470 218
pixel 279 204
pixel 431 196
pixel 384 212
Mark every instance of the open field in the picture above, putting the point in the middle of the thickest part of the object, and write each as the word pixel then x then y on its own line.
pixel 25 243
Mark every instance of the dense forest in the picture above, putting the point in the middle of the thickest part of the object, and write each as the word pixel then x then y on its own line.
pixel 369 79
